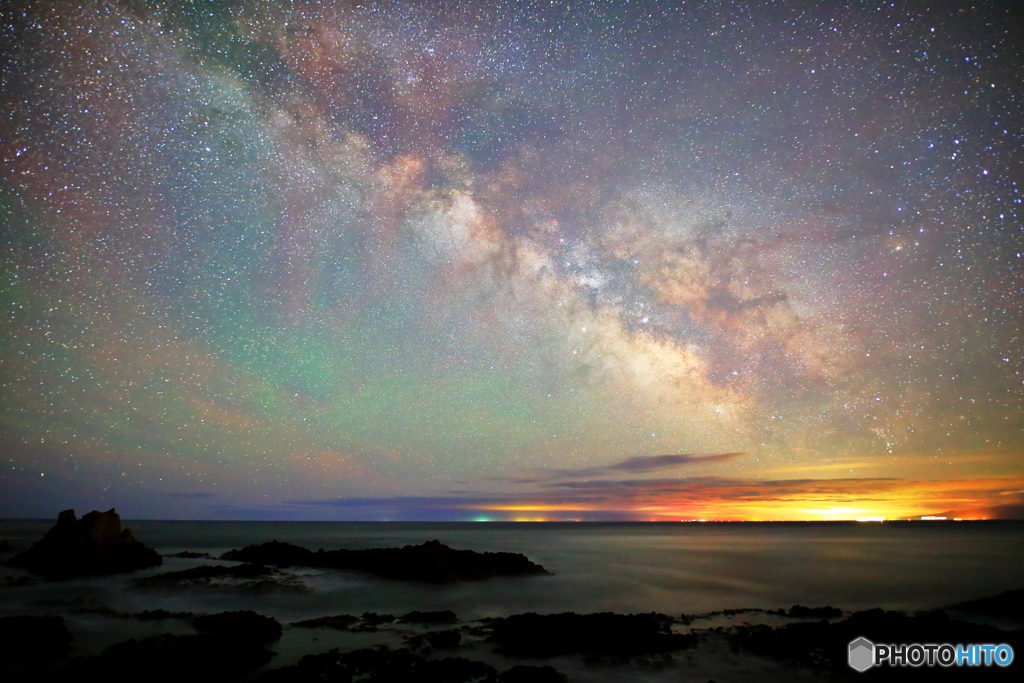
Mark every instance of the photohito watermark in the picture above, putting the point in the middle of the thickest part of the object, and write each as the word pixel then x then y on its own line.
pixel 864 654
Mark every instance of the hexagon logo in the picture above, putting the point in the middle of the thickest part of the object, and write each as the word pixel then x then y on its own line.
pixel 862 654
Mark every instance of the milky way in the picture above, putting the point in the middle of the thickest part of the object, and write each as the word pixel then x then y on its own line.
pixel 488 260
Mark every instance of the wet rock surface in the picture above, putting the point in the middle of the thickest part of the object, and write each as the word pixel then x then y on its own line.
pixel 801 612
pixel 244 624
pixel 604 633
pixel 1009 604
pixel 384 665
pixel 430 561
pixel 94 544
pixel 206 571
pixel 440 617
pixel 28 637
pixel 825 644
pixel 337 621
pixel 190 555
pixel 168 658
pixel 532 674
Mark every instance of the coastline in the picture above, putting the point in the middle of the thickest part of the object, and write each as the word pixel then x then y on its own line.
pixel 103 611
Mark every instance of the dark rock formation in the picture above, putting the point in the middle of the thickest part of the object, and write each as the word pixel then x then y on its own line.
pixel 31 637
pixel 16 581
pixel 95 544
pixel 826 644
pixel 801 612
pixel 380 665
pixel 441 617
pixel 154 615
pixel 341 622
pixel 443 639
pixel 168 658
pixel 430 561
pixel 244 624
pixel 1009 604
pixel 374 619
pixel 191 555
pixel 605 633
pixel 532 674
pixel 207 571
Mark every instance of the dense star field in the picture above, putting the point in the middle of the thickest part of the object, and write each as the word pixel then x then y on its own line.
pixel 489 260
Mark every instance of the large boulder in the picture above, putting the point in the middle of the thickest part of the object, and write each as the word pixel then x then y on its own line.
pixel 244 624
pixel 430 561
pixel 31 637
pixel 604 633
pixel 168 658
pixel 94 544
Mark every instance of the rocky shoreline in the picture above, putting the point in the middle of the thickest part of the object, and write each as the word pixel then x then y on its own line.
pixel 240 645
pixel 425 646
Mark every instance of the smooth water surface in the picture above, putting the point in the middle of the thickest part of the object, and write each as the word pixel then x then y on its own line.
pixel 622 567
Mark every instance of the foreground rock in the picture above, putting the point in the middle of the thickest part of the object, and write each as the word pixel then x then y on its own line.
pixel 826 644
pixel 441 617
pixel 94 544
pixel 604 633
pixel 244 624
pixel 167 658
pixel 31 637
pixel 1009 604
pixel 383 664
pixel 432 561
pixel 204 572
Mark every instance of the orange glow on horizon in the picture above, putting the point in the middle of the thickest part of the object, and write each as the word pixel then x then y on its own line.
pixel 794 500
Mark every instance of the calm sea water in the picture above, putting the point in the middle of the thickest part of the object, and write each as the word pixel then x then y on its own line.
pixel 670 568
pixel 622 567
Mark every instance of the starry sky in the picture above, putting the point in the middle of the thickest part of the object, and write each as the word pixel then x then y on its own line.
pixel 512 260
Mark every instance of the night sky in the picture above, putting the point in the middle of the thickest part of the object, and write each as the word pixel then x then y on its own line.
pixel 512 260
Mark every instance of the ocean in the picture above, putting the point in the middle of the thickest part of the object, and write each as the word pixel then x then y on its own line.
pixel 688 568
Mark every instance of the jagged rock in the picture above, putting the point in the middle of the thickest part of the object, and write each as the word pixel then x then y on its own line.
pixel 244 624
pixel 605 633
pixel 374 619
pixel 430 561
pixel 166 658
pixel 441 617
pixel 1009 604
pixel 380 665
pixel 801 612
pixel 443 639
pixel 338 621
pixel 826 644
pixel 532 674
pixel 207 571
pixel 153 615
pixel 16 581
pixel 94 544
pixel 29 637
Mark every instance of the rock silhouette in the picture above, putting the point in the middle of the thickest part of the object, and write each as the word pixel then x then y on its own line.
pixel 166 658
pixel 826 644
pixel 1009 604
pixel 94 544
pixel 442 617
pixel 245 624
pixel 605 633
pixel 28 637
pixel 383 664
pixel 206 571
pixel 431 561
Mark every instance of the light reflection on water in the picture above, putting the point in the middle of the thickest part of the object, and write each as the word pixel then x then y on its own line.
pixel 670 568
